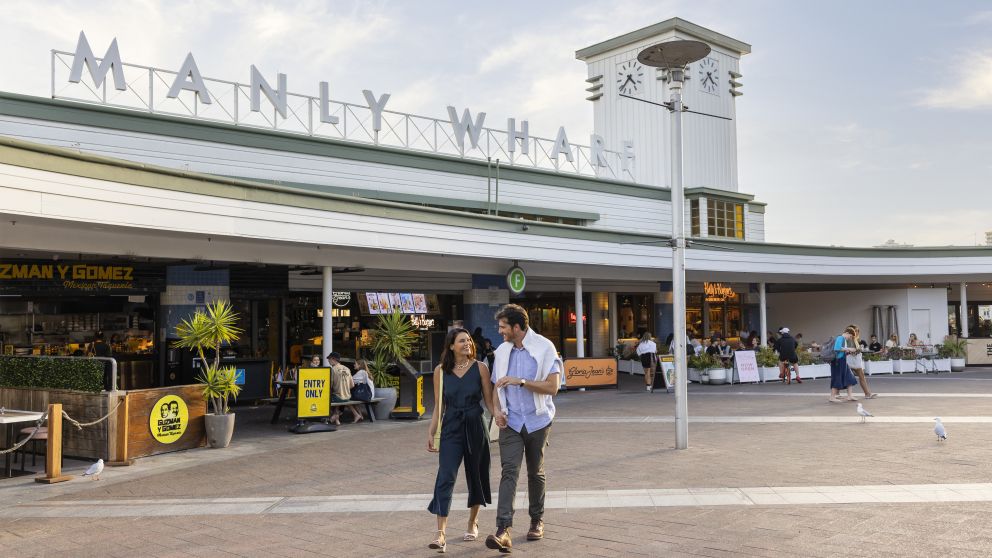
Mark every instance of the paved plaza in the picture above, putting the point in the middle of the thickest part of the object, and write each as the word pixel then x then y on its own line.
pixel 772 470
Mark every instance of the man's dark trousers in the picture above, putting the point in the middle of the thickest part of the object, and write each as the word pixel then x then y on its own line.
pixel 513 447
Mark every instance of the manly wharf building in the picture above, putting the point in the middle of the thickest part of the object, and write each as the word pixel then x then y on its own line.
pixel 135 195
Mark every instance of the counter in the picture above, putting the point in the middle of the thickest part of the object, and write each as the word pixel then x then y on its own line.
pixel 979 351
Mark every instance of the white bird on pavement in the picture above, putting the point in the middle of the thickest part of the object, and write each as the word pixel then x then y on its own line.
pixel 939 430
pixel 95 470
pixel 864 413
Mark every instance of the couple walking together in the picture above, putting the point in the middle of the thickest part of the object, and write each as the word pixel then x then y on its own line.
pixel 518 392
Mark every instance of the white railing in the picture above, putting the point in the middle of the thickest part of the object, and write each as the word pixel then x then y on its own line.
pixel 147 90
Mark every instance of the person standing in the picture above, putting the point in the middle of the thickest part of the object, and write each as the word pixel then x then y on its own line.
pixel 527 373
pixel 840 374
pixel 467 387
pixel 855 361
pixel 788 357
pixel 647 351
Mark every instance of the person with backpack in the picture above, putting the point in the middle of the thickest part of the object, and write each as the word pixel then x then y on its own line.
pixel 835 351
pixel 788 358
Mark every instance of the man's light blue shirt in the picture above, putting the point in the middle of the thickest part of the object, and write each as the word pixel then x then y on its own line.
pixel 521 410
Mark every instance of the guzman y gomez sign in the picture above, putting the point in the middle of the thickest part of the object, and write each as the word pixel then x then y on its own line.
pixel 26 277
pixel 186 92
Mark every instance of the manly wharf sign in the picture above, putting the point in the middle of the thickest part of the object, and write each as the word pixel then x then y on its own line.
pixel 82 76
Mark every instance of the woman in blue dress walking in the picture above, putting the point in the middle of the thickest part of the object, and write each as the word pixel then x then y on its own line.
pixel 467 388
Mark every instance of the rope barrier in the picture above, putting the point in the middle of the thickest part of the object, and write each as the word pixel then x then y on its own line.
pixel 80 425
pixel 65 415
pixel 20 444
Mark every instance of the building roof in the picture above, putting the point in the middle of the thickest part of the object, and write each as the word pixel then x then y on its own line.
pixel 675 24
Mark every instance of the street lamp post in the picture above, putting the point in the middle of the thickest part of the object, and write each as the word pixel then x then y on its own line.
pixel 674 56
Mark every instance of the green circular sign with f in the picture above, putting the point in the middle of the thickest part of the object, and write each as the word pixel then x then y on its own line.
pixel 516 280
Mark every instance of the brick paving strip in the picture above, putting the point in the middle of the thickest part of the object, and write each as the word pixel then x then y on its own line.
pixel 563 500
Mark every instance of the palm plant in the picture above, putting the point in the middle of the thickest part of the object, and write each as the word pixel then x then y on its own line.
pixel 208 331
pixel 956 348
pixel 393 340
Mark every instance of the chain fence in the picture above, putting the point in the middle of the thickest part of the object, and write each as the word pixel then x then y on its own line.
pixel 44 417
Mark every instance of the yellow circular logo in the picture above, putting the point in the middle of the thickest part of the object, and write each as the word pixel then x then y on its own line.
pixel 168 419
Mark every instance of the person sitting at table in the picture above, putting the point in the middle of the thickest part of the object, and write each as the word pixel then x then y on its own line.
pixel 914 341
pixel 725 351
pixel 874 346
pixel 341 384
pixel 362 376
pixel 892 343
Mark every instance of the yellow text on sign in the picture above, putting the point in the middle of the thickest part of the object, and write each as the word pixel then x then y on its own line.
pixel 168 419
pixel 313 392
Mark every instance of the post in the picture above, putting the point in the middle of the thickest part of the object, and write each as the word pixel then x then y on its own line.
pixel 53 449
pixel 964 310
pixel 328 320
pixel 120 458
pixel 763 313
pixel 613 320
pixel 678 265
pixel 580 334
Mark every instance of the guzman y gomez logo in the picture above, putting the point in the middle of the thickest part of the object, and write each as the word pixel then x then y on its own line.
pixel 168 419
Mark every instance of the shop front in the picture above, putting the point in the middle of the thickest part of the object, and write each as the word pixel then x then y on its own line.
pixel 67 308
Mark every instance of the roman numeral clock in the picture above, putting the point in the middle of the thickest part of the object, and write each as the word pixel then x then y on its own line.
pixel 630 78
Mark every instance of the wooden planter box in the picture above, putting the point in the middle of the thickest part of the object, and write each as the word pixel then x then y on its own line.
pixel 769 373
pixel 903 366
pixel 878 367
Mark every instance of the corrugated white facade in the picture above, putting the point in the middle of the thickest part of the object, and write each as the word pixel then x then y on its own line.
pixel 709 139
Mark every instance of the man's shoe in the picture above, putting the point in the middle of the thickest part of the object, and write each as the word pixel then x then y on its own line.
pixel 500 541
pixel 536 532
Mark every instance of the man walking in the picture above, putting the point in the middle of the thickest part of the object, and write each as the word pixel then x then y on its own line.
pixel 526 371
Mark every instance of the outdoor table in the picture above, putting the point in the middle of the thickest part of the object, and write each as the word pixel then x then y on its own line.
pixel 284 388
pixel 9 418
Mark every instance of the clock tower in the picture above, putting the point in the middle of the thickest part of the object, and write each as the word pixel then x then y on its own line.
pixel 627 97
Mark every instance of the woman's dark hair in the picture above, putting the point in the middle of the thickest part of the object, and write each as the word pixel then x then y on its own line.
pixel 448 357
pixel 514 315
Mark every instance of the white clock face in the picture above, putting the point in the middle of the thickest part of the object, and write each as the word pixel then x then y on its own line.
pixel 630 78
pixel 709 75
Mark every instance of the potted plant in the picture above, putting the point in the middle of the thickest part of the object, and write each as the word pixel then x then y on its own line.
pixel 903 359
pixel 393 340
pixel 767 364
pixel 956 349
pixel 877 363
pixel 706 367
pixel 208 331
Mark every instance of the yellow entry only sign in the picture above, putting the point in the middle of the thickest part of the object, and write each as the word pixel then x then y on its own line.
pixel 313 397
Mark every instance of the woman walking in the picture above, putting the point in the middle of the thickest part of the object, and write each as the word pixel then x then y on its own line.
pixel 854 360
pixel 840 374
pixel 458 410
pixel 647 351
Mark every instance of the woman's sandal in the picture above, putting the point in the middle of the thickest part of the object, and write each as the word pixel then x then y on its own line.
pixel 439 544
pixel 473 534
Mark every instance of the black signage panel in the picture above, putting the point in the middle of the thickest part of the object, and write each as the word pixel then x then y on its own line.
pixel 80 277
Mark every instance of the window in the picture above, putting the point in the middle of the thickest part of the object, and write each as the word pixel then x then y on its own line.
pixel 725 219
pixel 694 217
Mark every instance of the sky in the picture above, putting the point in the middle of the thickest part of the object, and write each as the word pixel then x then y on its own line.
pixel 862 121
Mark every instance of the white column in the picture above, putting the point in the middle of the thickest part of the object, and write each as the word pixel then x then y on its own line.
pixel 328 321
pixel 613 320
pixel 763 313
pixel 580 345
pixel 964 310
pixel 678 265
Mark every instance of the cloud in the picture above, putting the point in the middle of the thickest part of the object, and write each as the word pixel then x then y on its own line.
pixel 970 85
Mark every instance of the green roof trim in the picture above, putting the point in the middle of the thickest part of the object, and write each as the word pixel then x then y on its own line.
pixel 429 200
pixel 716 193
pixel 26 154
pixel 676 24
pixel 83 114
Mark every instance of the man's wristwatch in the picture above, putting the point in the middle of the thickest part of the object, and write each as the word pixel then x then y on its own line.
pixel 523 382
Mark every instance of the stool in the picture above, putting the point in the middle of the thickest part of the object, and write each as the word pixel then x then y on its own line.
pixel 40 436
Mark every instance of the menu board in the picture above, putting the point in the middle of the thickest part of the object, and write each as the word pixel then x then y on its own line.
pixel 405 303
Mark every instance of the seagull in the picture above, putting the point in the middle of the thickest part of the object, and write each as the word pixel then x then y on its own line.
pixel 864 413
pixel 95 470
pixel 939 430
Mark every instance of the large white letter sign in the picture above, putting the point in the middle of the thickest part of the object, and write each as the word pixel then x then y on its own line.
pixel 513 136
pixel 562 146
pixel 598 148
pixel 276 96
pixel 627 156
pixel 189 78
pixel 325 105
pixel 466 124
pixel 376 106
pixel 111 61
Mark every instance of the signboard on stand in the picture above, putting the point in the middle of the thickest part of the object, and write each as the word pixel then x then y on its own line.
pixel 591 373
pixel 746 366
pixel 666 369
pixel 313 399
